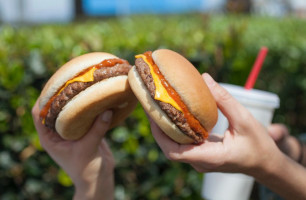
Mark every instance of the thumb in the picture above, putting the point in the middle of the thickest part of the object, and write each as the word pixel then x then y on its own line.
pixel 99 127
pixel 229 106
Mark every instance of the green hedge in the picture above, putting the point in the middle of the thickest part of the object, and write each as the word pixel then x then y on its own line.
pixel 224 46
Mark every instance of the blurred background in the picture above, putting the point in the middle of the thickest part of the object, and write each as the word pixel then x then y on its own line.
pixel 221 37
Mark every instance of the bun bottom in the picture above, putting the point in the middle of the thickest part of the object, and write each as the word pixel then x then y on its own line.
pixel 154 111
pixel 78 115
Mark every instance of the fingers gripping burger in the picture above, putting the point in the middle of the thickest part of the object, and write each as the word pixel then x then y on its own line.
pixel 174 94
pixel 83 88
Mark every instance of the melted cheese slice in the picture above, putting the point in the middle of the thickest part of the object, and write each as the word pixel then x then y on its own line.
pixel 86 77
pixel 161 93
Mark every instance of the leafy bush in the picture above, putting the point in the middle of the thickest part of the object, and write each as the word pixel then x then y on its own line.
pixel 224 46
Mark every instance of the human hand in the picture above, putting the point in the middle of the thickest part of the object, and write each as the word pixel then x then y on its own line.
pixel 286 143
pixel 245 146
pixel 88 161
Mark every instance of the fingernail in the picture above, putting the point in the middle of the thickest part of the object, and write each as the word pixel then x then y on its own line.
pixel 208 79
pixel 107 116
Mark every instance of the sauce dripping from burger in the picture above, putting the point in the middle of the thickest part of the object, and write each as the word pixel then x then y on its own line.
pixel 194 124
pixel 84 76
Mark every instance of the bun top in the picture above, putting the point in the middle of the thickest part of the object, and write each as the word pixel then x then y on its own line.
pixel 189 84
pixel 68 71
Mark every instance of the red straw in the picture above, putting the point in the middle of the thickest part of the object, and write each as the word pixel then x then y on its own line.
pixel 256 68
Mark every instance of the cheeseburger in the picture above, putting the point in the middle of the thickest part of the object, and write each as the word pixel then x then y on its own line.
pixel 174 95
pixel 83 88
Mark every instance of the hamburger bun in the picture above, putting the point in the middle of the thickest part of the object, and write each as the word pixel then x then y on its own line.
pixel 84 100
pixel 189 85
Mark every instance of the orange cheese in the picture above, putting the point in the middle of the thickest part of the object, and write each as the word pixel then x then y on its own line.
pixel 161 93
pixel 88 76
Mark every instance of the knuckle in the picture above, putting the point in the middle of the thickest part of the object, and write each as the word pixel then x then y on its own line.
pixel 223 94
pixel 169 156
pixel 247 120
pixel 173 156
pixel 246 116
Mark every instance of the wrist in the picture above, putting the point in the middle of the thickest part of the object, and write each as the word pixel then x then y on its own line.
pixel 275 173
pixel 100 188
pixel 267 166
pixel 96 180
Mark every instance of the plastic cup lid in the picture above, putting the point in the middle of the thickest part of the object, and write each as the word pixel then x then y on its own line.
pixel 253 97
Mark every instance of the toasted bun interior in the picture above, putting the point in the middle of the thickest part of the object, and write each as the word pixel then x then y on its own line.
pixel 68 71
pixel 79 114
pixel 155 112
pixel 189 84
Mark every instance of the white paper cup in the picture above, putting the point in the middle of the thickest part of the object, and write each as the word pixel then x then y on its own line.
pixel 234 186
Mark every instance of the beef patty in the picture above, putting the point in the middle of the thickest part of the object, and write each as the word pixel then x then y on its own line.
pixel 176 116
pixel 76 87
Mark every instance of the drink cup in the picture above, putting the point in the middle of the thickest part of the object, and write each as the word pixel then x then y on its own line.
pixel 235 186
